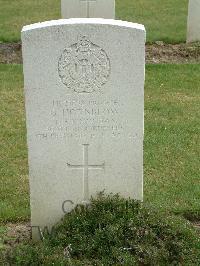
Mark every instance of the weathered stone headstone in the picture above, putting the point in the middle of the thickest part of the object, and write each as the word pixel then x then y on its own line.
pixel 193 30
pixel 84 90
pixel 88 9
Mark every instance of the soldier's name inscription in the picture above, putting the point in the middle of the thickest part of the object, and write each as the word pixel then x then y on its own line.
pixel 78 118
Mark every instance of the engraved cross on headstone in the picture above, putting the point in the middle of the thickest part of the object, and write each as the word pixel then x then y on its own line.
pixel 88 6
pixel 86 167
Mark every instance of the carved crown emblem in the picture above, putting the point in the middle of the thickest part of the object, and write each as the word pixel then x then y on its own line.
pixel 84 67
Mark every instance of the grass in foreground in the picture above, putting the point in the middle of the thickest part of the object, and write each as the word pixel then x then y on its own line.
pixel 171 146
pixel 114 231
pixel 14 202
pixel 164 20
pixel 172 139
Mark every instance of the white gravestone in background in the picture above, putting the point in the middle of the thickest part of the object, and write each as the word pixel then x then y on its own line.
pixel 193 31
pixel 88 9
pixel 84 90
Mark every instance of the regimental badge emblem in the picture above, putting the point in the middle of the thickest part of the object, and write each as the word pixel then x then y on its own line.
pixel 84 67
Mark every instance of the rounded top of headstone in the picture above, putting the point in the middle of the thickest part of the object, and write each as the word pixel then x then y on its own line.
pixel 72 21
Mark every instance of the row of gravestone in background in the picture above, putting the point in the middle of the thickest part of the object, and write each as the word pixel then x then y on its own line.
pixel 106 9
pixel 88 9
pixel 193 30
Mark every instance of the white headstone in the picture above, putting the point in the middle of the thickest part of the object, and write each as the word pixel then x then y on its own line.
pixel 88 9
pixel 193 31
pixel 84 90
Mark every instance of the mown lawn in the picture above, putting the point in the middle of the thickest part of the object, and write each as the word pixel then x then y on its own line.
pixel 171 148
pixel 172 137
pixel 14 202
pixel 164 20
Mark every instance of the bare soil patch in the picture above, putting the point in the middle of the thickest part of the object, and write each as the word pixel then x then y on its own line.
pixel 173 53
pixel 16 233
pixel 10 53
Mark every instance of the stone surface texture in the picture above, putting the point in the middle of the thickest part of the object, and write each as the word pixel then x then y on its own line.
pixel 84 94
pixel 193 30
pixel 88 9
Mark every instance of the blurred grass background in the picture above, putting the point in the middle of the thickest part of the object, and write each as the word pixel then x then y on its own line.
pixel 164 20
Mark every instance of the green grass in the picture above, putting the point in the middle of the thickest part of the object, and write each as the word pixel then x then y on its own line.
pixel 14 202
pixel 164 20
pixel 17 13
pixel 171 147
pixel 172 139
